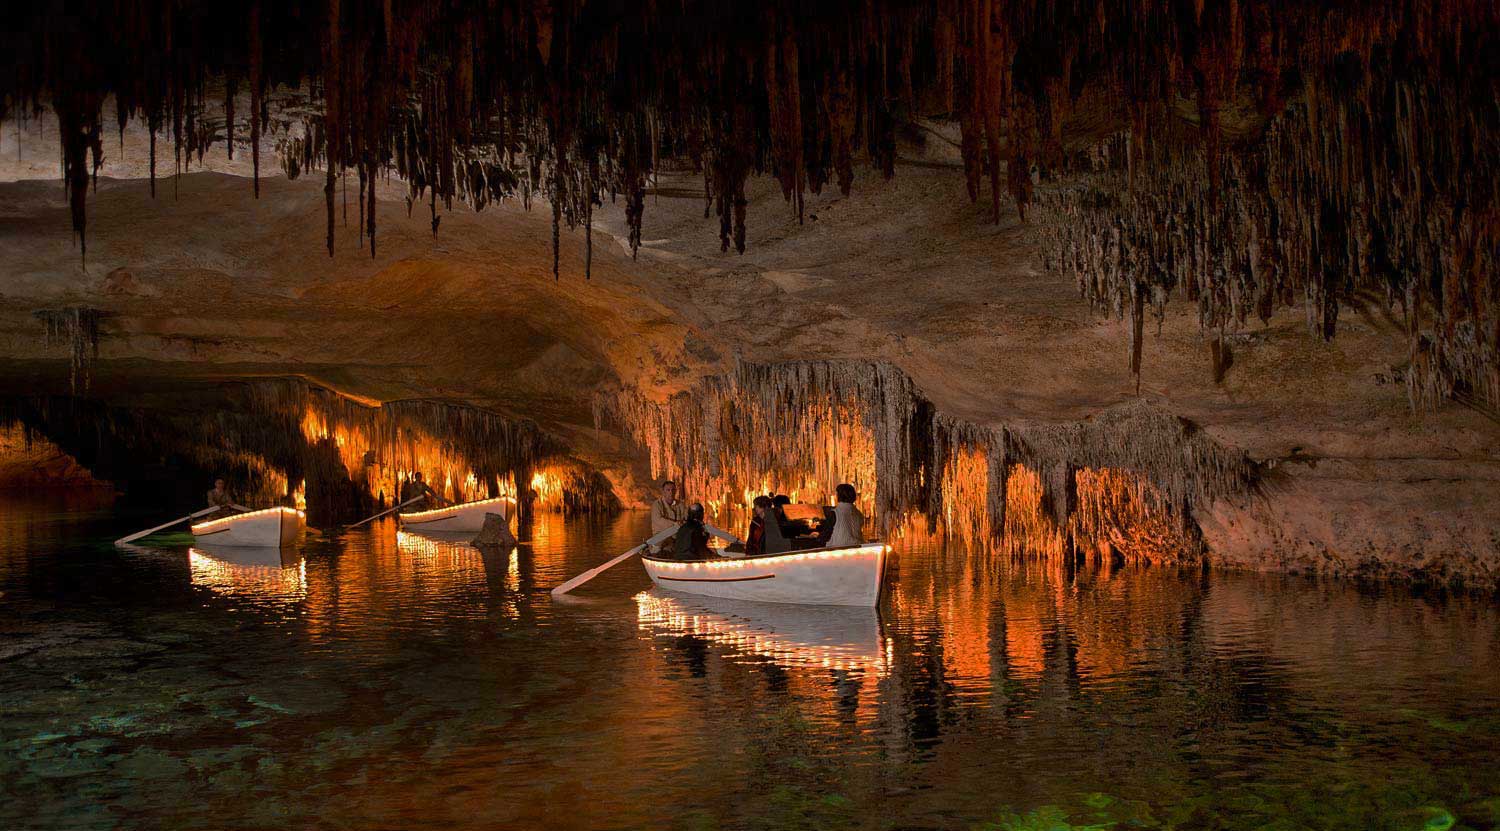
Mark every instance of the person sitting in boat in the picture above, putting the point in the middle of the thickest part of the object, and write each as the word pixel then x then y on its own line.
pixel 219 497
pixel 848 522
pixel 667 512
pixel 691 542
pixel 763 511
pixel 416 488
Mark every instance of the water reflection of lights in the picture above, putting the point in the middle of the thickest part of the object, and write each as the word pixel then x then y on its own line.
pixel 262 572
pixel 831 637
pixel 451 556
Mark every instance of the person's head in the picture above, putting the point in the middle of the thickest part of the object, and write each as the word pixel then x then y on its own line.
pixel 668 490
pixel 763 506
pixel 218 484
pixel 846 493
pixel 416 477
pixel 781 499
pixel 695 512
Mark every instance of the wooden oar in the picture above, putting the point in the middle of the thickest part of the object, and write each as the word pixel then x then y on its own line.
pixel 383 513
pixel 136 536
pixel 595 572
pixel 722 534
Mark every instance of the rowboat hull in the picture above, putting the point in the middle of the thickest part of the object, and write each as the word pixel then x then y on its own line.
pixel 270 528
pixel 848 576
pixel 467 518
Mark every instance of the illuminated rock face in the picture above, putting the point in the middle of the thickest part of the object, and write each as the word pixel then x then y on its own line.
pixel 1130 484
pixel 277 439
pixel 1123 485
pixel 29 462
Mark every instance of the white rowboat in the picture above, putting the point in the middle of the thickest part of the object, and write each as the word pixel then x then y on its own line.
pixel 466 518
pixel 270 528
pixel 847 576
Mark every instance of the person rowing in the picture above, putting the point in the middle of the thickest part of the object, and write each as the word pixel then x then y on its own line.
pixel 417 488
pixel 223 500
pixel 220 497
pixel 667 512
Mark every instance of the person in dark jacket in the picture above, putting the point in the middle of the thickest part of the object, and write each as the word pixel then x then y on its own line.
pixel 692 537
pixel 416 488
pixel 755 539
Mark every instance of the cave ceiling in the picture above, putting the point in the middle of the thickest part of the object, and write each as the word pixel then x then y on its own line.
pixel 1243 156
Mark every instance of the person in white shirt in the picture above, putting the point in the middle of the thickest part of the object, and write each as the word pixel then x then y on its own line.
pixel 849 523
pixel 666 513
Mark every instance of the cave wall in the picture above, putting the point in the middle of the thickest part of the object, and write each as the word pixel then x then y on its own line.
pixel 29 463
pixel 275 439
pixel 1131 484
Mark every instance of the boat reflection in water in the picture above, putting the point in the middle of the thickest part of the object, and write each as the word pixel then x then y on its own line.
pixel 792 636
pixel 443 554
pixel 249 571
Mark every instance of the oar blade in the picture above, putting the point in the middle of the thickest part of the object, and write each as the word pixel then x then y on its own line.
pixel 657 539
pixel 137 535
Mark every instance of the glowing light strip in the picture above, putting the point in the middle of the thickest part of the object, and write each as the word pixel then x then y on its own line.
pixel 212 526
pixel 405 515
pixel 773 560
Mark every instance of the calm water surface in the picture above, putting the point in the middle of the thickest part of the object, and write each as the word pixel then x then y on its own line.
pixel 381 680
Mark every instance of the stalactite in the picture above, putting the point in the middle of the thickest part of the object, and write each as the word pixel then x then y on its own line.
pixel 257 91
pixel 370 209
pixel 231 88
pixel 80 134
pixel 332 125
pixel 77 328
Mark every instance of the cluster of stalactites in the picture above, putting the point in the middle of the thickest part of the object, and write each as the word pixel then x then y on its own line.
pixel 77 328
pixel 594 94
pixel 800 428
pixel 474 101
pixel 1277 147
pixel 449 441
pixel 1355 192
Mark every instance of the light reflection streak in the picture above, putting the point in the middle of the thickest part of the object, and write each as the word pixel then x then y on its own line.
pixel 267 573
pixel 791 636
